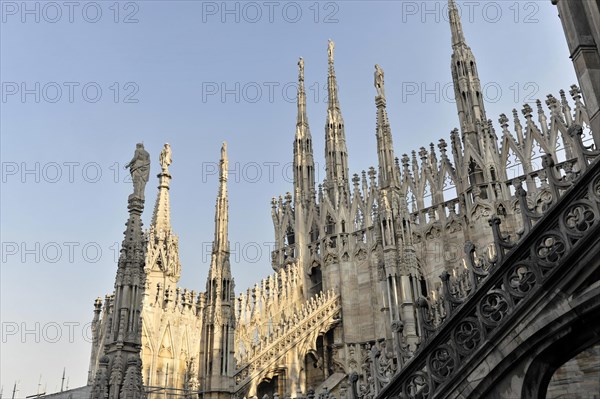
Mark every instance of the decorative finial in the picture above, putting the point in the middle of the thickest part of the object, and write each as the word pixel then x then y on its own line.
pixel 423 154
pixel 538 102
pixel 405 161
pixel 379 81
pixel 355 180
pixel 575 92
pixel 372 174
pixel 527 111
pixel 551 101
pixel 442 146
pixel 139 167
pixel 165 158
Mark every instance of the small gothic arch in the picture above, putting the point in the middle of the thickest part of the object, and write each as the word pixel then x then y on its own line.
pixel 314 233
pixel 268 387
pixel 476 176
pixel 329 225
pixel 225 289
pixel 316 278
pixel 358 220
pixel 290 238
pixel 571 340
pixel 493 174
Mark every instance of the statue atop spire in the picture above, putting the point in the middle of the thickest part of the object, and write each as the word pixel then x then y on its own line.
pixel 224 164
pixel 379 81
pixel 301 70
pixel 302 118
pixel 330 48
pixel 165 158
pixel 139 167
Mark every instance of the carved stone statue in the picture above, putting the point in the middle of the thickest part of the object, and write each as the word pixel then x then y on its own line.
pixel 301 69
pixel 139 167
pixel 330 51
pixel 165 157
pixel 224 150
pixel 379 81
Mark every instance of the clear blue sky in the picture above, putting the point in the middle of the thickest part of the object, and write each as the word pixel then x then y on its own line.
pixel 193 74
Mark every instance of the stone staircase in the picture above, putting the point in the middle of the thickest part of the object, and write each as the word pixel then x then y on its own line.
pixel 317 315
pixel 331 382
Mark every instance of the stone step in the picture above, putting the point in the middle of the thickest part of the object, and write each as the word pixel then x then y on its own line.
pixel 330 383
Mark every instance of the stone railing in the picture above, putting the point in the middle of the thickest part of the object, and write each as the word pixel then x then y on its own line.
pixel 311 394
pixel 267 307
pixel 535 182
pixel 501 284
pixel 174 299
pixel 430 178
pixel 318 312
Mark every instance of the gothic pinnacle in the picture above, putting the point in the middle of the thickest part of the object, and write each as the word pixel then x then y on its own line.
pixel 336 153
pixel 221 243
pixel 304 182
pixel 458 36
pixel 161 219
pixel 216 347
pixel 385 147
pixel 120 368
pixel 302 118
pixel 467 85
pixel 332 88
pixel 163 249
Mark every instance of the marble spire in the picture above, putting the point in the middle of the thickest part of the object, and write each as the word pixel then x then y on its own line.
pixel 385 146
pixel 336 153
pixel 217 342
pixel 458 36
pixel 119 373
pixel 221 242
pixel 304 166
